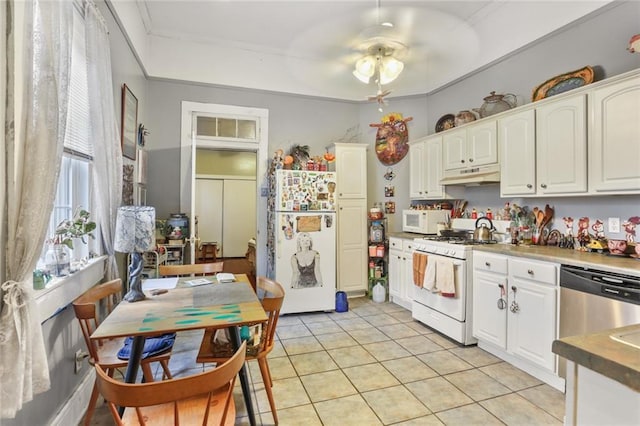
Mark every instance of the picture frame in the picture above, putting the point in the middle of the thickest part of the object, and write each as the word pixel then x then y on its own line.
pixel 129 123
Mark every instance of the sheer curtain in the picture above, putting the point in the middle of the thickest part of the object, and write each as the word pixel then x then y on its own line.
pixel 34 146
pixel 103 131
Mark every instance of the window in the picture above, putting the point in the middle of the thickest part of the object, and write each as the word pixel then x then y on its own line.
pixel 74 182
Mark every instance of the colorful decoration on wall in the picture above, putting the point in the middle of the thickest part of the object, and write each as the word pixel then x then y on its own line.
pixel 392 138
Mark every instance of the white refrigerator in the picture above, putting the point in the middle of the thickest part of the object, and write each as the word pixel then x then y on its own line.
pixel 305 258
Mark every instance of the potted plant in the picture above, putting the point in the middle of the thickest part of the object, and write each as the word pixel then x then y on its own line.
pixel 58 258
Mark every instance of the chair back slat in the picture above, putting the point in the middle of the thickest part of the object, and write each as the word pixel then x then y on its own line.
pixel 194 269
pixel 174 391
pixel 271 303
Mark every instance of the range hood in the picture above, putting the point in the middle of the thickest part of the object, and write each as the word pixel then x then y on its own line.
pixel 472 176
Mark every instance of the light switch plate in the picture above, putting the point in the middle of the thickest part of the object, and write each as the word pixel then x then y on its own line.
pixel 614 224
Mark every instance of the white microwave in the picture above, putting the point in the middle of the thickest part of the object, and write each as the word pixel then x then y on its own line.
pixel 423 221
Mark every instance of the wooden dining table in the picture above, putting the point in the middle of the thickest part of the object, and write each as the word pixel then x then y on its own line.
pixel 186 307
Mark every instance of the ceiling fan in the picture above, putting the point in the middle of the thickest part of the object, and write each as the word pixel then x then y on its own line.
pixel 379 97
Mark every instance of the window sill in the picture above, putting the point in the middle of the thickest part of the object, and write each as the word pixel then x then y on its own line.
pixel 61 291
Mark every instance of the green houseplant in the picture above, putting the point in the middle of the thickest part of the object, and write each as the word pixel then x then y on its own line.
pixel 58 258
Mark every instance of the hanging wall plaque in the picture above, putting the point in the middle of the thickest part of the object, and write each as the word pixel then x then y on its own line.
pixel 392 138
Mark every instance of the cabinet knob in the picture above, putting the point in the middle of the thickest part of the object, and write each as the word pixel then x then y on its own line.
pixel 471 160
pixel 420 192
pixel 341 194
pixel 462 161
pixel 409 247
pixel 529 186
pixel 487 264
pixel 340 208
pixel 543 185
pixel 530 271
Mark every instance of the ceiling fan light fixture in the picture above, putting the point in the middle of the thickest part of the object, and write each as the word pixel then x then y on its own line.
pixel 365 68
pixel 390 69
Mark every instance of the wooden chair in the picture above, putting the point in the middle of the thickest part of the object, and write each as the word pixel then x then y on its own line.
pixel 273 296
pixel 202 399
pixel 105 352
pixel 208 252
pixel 195 269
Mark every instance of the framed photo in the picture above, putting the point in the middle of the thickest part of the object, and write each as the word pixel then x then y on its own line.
pixel 129 123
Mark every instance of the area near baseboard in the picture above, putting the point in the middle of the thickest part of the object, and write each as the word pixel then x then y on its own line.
pixel 73 410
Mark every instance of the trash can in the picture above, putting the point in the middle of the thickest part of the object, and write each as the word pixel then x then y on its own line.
pixel 342 304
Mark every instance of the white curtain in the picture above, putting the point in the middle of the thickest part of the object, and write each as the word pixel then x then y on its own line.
pixel 103 131
pixel 34 146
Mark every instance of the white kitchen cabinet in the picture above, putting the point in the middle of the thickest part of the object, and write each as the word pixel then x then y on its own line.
pixel 614 144
pixel 425 169
pixel 351 194
pixel 561 146
pixel 523 326
pixel 401 271
pixel 351 170
pixel 470 146
pixel 517 140
pixel 489 286
pixel 352 250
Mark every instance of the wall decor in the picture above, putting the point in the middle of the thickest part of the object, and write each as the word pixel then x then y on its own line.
pixel 390 207
pixel 129 123
pixel 389 190
pixel 392 138
pixel 563 83
pixel 389 175
pixel 127 185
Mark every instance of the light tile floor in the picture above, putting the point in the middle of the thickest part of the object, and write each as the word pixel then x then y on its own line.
pixel 375 365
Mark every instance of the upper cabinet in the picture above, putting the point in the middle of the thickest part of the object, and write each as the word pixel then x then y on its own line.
pixel 517 136
pixel 425 164
pixel 561 146
pixel 351 170
pixel 470 146
pixel 614 143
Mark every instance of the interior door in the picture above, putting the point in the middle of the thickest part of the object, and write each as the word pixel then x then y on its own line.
pixel 239 216
pixel 208 209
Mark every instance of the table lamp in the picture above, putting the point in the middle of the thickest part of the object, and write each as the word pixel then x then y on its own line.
pixel 135 234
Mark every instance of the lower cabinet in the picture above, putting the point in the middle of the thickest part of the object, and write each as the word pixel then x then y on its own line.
pixel 514 309
pixel 401 271
pixel 352 249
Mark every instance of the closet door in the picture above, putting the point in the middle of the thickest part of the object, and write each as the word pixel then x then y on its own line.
pixel 239 216
pixel 208 209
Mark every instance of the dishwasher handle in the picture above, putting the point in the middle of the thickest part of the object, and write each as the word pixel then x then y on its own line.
pixel 610 285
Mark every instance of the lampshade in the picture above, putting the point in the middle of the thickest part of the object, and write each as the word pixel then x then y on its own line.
pixel 135 229
pixel 390 69
pixel 365 67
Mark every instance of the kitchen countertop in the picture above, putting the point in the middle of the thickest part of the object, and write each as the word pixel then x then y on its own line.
pixel 600 261
pixel 602 354
pixel 405 235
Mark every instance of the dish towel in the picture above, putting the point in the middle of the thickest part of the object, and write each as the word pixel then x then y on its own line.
pixel 419 265
pixel 430 277
pixel 444 277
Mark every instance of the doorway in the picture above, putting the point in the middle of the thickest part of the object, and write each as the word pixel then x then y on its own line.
pixel 199 123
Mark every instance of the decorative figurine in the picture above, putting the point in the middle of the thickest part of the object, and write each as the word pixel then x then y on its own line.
pixel 629 226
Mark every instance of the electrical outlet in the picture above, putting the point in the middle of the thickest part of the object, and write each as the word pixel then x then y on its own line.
pixel 79 360
pixel 614 224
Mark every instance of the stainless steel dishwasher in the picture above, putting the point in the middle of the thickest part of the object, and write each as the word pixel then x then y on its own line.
pixel 592 300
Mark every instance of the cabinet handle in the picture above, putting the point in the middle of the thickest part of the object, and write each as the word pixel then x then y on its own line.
pixel 529 186
pixel 530 271
pixel 471 160
pixel 487 264
pixel 543 185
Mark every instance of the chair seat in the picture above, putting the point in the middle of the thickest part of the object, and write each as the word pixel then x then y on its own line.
pixel 191 412
pixel 108 354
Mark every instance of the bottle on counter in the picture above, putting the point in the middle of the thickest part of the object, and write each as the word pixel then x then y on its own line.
pixel 489 214
pixel 474 214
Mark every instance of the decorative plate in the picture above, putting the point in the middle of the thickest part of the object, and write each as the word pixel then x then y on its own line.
pixel 446 122
pixel 563 83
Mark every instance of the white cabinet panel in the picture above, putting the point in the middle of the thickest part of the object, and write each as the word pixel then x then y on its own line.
pixel 489 321
pixel 352 245
pixel 351 169
pixel 517 140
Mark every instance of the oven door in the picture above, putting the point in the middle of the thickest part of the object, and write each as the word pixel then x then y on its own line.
pixel 453 307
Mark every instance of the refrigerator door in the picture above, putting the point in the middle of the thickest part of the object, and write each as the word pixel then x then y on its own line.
pixel 306 261
pixel 305 190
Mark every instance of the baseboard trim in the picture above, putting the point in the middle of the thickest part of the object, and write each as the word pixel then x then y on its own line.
pixel 73 410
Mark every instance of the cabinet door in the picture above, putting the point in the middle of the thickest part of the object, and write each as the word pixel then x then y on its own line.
pixel 433 172
pixel 614 150
pixel 532 328
pixel 351 170
pixel 396 272
pixel 406 289
pixel 454 149
pixel 482 146
pixel 561 146
pixel 352 245
pixel 516 137
pixel 417 168
pixel 489 321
